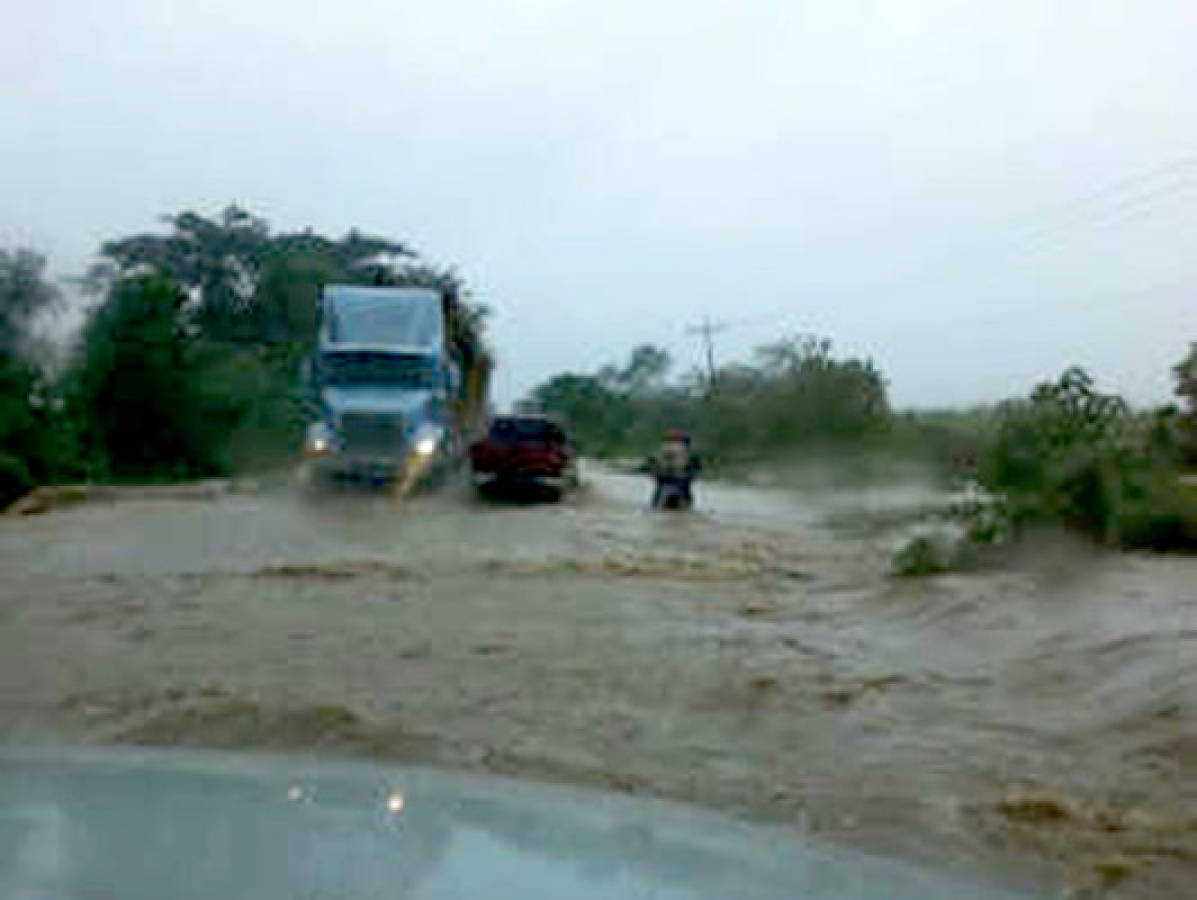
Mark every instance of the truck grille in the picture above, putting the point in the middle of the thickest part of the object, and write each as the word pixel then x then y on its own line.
pixel 372 432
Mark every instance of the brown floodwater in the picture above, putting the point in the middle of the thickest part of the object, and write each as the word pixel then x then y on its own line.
pixel 1032 722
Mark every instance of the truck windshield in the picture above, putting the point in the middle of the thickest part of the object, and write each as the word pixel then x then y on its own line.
pixel 369 369
pixel 402 317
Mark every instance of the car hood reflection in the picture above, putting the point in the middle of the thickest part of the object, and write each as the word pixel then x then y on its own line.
pixel 151 824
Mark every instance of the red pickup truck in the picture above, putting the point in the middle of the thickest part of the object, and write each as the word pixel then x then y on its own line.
pixel 524 451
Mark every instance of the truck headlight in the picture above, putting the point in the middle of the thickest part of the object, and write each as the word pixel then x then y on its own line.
pixel 427 442
pixel 319 440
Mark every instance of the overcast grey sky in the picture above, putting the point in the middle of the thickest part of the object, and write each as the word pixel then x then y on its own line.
pixel 973 193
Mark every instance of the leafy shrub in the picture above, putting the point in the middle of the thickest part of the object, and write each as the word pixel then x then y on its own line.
pixel 15 479
pixel 1073 455
pixel 157 401
pixel 1162 516
pixel 984 518
pixel 255 390
pixel 933 550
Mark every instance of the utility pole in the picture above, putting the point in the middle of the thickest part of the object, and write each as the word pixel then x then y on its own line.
pixel 708 330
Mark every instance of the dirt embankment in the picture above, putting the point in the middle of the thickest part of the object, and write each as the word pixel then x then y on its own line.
pixel 1035 719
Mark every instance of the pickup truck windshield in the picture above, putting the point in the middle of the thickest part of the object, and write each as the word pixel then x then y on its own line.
pixel 510 429
pixel 402 318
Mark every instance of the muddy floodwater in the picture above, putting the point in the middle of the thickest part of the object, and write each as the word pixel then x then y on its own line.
pixel 1033 723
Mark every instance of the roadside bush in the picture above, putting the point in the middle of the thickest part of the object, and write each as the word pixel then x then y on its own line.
pixel 1073 455
pixel 15 479
pixel 1161 515
pixel 935 550
pixel 984 518
pixel 255 392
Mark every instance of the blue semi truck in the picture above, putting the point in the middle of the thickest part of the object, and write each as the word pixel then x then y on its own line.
pixel 392 397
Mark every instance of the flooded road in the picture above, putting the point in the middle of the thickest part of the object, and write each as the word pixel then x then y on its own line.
pixel 1032 723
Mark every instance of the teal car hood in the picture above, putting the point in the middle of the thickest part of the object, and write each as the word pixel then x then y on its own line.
pixel 144 824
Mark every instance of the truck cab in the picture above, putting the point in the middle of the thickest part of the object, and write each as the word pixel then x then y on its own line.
pixel 381 381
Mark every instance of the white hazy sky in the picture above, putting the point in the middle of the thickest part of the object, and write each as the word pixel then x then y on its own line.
pixel 973 193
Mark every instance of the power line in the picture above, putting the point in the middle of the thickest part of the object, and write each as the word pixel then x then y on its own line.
pixel 1137 207
pixel 1129 184
pixel 1129 200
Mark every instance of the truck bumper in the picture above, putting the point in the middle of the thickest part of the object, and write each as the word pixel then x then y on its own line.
pixel 516 479
pixel 356 468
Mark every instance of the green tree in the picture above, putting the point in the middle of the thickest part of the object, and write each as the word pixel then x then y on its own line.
pixel 804 395
pixel 245 281
pixel 246 284
pixel 1185 373
pixel 28 445
pixel 645 371
pixel 25 294
pixel 137 387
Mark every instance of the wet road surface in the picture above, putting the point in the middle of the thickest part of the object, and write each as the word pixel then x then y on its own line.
pixel 1033 722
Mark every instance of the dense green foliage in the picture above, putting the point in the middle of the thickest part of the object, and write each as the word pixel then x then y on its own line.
pixel 24 295
pixel 15 478
pixel 28 450
pixel 151 392
pixel 213 319
pixel 246 284
pixel 188 363
pixel 796 394
pixel 249 285
pixel 1073 455
pixel 1186 390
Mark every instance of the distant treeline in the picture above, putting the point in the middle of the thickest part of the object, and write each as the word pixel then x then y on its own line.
pixel 186 365
pixel 1066 453
pixel 795 397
